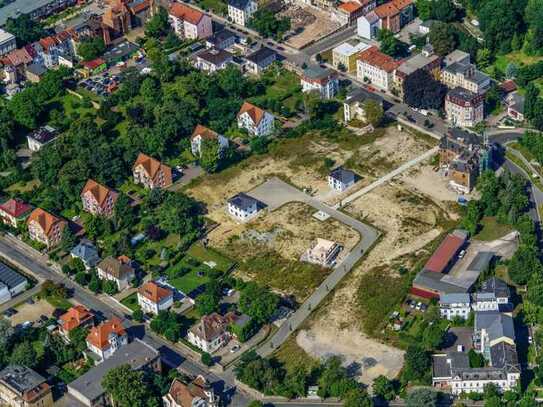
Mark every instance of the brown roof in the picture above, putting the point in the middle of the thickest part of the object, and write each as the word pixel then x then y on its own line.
pixel 45 220
pixel 95 63
pixel 152 291
pixel 99 335
pixel 204 132
pixel 212 326
pixel 254 112
pixel 114 267
pixel 183 394
pixel 184 12
pixel 444 254
pixel 15 207
pixel 509 86
pixel 152 167
pixel 401 4
pixel 48 42
pixel 74 317
pixel 386 10
pixel 374 57
pixel 19 57
pixel 99 192
pixel 350 7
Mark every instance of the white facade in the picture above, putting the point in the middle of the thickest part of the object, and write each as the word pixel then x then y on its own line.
pixel 209 66
pixel 196 144
pixel 459 386
pixel 150 307
pixel 207 346
pixel 326 88
pixel 7 42
pixel 264 127
pixel 122 283
pixel 457 309
pixel 243 214
pixel 240 16
pixel 115 342
pixel 367 27
pixel 376 76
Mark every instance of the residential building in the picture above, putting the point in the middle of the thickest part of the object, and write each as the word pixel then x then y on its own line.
pixel 112 269
pixel 212 60
pixel 35 9
pixel 376 68
pixel 121 16
pixel 211 333
pixel 76 317
pixel 15 63
pixel 45 228
pixel 104 340
pixel 347 13
pixel 465 75
pixel 93 67
pixel 455 305
pixel 153 298
pixel 13 212
pixel 426 60
pixel 21 386
pixel 493 295
pixel 98 199
pixel 202 133
pixel 340 179
pixel 515 106
pixel 392 16
pixel 353 106
pixel 425 26
pixel 243 207
pixel 323 252
pixel 346 54
pixel 12 283
pixel 35 72
pixel 223 39
pixel 40 137
pixel 198 393
pixel 368 26
pixel 240 11
pixel 151 173
pixel 256 121
pixel 7 42
pixel 491 328
pixel 87 253
pixel 457 56
pixel 189 23
pixel 464 108
pixel 260 60
pixel 322 80
pixel 87 389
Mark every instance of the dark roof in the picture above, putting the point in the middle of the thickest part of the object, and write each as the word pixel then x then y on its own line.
pixel 481 261
pixel 262 55
pixel 239 4
pixel 462 94
pixel 21 378
pixel 496 324
pixel 87 252
pixel 504 355
pixel 215 56
pixel 44 134
pixel 10 277
pixel 495 286
pixel 439 282
pixel 361 95
pixel 243 201
pixel 36 69
pixel 342 175
pixel 221 36
pixel 316 72
pixel 446 251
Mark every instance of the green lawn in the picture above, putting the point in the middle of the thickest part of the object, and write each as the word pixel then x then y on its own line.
pixel 131 301
pixel 204 254
pixel 21 187
pixel 518 57
pixel 492 230
pixel 189 282
pixel 59 302
pixel 149 251
pixel 218 6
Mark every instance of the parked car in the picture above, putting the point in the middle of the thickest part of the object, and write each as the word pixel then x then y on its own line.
pixel 234 349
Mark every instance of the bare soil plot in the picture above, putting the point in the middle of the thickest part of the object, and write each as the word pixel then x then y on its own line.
pixel 309 23
pixel 32 312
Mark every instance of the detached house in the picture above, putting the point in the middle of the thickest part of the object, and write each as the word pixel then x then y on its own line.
pixel 256 121
pixel 211 332
pixel 153 298
pixel 112 269
pixel 45 228
pixel 213 60
pixel 87 253
pixel 41 137
pixel 77 316
pixel 189 23
pixel 104 339
pixel 323 252
pixel 243 207
pixel 260 60
pixel 14 211
pixel 98 199
pixel 151 173
pixel 202 133
pixel 240 11
pixel 354 104
pixel 198 393
pixel 340 179
pixel 323 80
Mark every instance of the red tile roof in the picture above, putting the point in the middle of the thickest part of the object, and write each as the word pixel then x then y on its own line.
pixel 372 56
pixel 153 292
pixel 350 7
pixel 253 111
pixel 448 248
pixel 95 63
pixel 152 167
pixel 75 316
pixel 45 220
pixel 48 42
pixel 204 132
pixel 186 13
pixel 184 394
pixel 99 192
pixel 99 335
pixel 15 207
pixel 509 86
pixel 401 4
pixel 386 10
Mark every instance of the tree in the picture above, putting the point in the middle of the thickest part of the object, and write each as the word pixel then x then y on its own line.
pixel 95 284
pixel 25 355
pixel 207 303
pixel 206 359
pixel 511 70
pixel 442 38
pixel 416 363
pixel 384 388
pixel 158 26
pixel 137 315
pixel 81 278
pixel 91 48
pixel 422 398
pixel 126 387
pixel 268 25
pixel 530 100
pixel 523 264
pixel 390 45
pixel 256 403
pixel 374 112
pixel 443 10
pixel 210 155
pixel 422 91
pixel 357 398
pixel 433 336
pixel 179 214
pixel 25 29
pixel 476 359
pixel 484 58
pixel 257 302
pixel 499 20
pixel 123 213
pixel 78 338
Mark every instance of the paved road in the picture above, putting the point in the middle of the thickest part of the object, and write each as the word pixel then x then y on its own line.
pixel 276 193
pixel 28 259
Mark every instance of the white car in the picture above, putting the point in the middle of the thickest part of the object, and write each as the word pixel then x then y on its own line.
pixel 234 349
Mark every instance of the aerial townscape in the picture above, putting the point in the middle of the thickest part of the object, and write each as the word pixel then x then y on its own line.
pixel 271 203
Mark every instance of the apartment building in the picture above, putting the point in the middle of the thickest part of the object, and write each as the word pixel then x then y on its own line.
pixel 464 108
pixel 376 68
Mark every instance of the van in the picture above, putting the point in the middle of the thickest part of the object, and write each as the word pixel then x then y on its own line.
pixel 461 254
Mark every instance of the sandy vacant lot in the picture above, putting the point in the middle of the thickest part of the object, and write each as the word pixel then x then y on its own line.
pixel 32 312
pixel 312 24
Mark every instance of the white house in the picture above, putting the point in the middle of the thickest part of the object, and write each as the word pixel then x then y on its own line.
pixel 243 207
pixel 323 252
pixel 198 393
pixel 354 104
pixel 212 60
pixel 40 137
pixel 240 11
pixel 256 121
pixel 153 298
pixel 376 68
pixel 211 333
pixel 368 26
pixel 189 23
pixel 492 296
pixel 103 340
pixel 260 60
pixel 201 133
pixel 324 81
pixel 11 283
pixel 455 305
pixel 113 269
pixel 340 179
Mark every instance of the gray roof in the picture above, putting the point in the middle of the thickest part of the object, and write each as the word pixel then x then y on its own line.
pixel 504 356
pixel 454 298
pixel 87 252
pixel 215 56
pixel 239 4
pixel 442 368
pixel 496 324
pixel 342 175
pixel 316 72
pixel 10 277
pixel 36 69
pixel 439 282
pixel 264 54
pixel 44 134
pixel 137 354
pixel 481 261
pixel 242 320
pixel 416 62
pixel 361 95
pixel 495 286
pixel 20 7
pixel 243 201
pixel 461 93
pixel 20 378
pixel 221 36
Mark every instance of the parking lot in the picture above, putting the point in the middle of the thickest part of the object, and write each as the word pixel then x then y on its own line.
pixel 31 311
pixel 101 85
